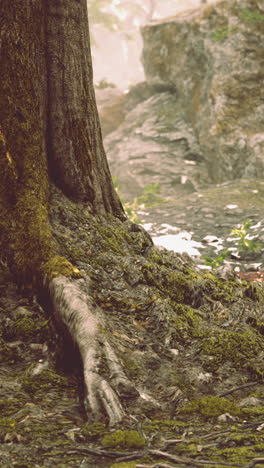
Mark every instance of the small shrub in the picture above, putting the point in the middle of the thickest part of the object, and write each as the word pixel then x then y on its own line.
pixel 217 261
pixel 104 84
pixel 244 242
pixel 253 16
pixel 220 34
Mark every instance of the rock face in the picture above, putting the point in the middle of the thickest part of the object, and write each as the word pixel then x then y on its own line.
pixel 208 124
pixel 214 57
pixel 156 144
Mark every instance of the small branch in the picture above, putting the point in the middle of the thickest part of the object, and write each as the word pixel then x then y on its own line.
pixel 256 461
pixel 215 434
pixel 156 465
pixel 132 456
pixel 105 453
pixel 240 387
pixel 190 461
pixel 127 456
pixel 174 458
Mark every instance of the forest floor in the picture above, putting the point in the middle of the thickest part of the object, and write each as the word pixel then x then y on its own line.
pixel 202 412
pixel 201 224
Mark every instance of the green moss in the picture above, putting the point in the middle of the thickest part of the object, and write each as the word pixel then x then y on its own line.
pixel 179 286
pixel 9 406
pixel 187 322
pixel 220 289
pixel 114 239
pixel 26 328
pixel 124 439
pixel 248 438
pixel 156 258
pixel 211 407
pixel 167 427
pixel 57 266
pixel 93 431
pixel 239 454
pixel 131 366
pixel 254 411
pixel 176 284
pixel 125 465
pixel 46 380
pixel 7 423
pixel 241 348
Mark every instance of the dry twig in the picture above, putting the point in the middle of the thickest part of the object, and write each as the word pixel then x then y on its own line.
pixel 240 387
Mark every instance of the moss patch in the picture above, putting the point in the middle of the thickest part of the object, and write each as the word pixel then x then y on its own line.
pixel 94 431
pixel 44 381
pixel 211 407
pixel 240 348
pixel 124 439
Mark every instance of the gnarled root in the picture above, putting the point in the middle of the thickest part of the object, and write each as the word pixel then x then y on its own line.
pixel 72 307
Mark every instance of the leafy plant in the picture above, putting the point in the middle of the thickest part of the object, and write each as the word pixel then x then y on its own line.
pixel 216 261
pixel 220 34
pixel 254 16
pixel 148 199
pixel 244 242
pixel 104 84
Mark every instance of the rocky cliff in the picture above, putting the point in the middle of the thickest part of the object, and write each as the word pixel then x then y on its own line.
pixel 210 123
pixel 215 58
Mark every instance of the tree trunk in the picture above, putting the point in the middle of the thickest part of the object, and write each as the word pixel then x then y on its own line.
pixel 50 147
pixel 50 132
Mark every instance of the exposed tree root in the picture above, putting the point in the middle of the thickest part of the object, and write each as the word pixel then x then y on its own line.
pixel 73 308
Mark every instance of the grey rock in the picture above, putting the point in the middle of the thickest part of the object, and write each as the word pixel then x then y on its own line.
pixel 156 144
pixel 214 57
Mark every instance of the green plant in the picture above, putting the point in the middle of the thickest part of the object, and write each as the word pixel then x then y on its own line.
pixel 104 84
pixel 148 199
pixel 254 16
pixel 217 261
pixel 220 34
pixel 150 196
pixel 244 243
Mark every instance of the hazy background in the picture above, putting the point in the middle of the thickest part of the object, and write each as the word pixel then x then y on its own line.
pixel 116 40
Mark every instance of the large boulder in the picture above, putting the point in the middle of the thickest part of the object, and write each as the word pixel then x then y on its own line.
pixel 155 144
pixel 213 55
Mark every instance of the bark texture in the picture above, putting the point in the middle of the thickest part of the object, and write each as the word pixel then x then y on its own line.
pixel 26 239
pixel 77 156
pixel 47 108
pixel 50 131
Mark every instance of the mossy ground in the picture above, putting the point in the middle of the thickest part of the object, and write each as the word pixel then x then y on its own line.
pixel 155 302
pixel 124 439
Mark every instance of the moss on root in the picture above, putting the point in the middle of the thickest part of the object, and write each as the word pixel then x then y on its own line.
pixel 59 266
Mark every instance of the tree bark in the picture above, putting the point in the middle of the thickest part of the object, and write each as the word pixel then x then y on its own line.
pixel 50 133
pixel 77 157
